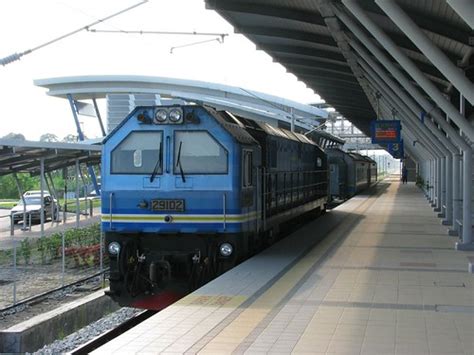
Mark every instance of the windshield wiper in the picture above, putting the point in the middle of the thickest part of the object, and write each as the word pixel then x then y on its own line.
pixel 158 164
pixel 178 162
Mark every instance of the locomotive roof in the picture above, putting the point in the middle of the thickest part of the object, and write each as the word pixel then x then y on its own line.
pixel 281 132
pixel 235 128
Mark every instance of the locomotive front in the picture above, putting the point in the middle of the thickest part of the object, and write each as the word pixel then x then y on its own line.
pixel 171 214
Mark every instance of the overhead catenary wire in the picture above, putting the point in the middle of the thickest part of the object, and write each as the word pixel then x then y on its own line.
pixel 16 56
pixel 148 32
pixel 218 39
pixel 219 36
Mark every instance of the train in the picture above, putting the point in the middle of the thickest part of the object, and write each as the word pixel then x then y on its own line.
pixel 189 191
pixel 350 173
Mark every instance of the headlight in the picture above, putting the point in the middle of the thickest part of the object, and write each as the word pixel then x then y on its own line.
pixel 175 115
pixel 226 249
pixel 161 116
pixel 114 248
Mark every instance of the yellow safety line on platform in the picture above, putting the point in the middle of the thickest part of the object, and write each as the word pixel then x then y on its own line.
pixel 236 332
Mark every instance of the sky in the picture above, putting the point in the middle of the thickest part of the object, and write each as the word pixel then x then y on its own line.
pixel 25 24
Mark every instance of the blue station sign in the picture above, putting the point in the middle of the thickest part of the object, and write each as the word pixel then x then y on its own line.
pixel 396 150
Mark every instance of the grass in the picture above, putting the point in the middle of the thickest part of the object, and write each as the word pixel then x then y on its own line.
pixel 8 204
pixel 71 204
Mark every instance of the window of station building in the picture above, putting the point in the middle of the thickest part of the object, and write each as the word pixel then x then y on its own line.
pixel 247 168
pixel 197 152
pixel 138 153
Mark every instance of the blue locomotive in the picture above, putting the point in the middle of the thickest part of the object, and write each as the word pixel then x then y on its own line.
pixel 188 192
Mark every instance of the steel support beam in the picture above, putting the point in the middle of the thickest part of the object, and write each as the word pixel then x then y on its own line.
pixel 407 85
pixel 465 9
pixel 409 67
pixel 408 103
pixel 426 46
pixel 99 118
pixel 81 138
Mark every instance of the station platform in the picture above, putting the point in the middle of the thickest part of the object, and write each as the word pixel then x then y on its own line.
pixel 376 275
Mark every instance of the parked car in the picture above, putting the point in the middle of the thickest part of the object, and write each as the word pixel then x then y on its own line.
pixel 33 207
pixel 38 193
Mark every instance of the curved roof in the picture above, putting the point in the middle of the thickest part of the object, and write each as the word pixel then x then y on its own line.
pixel 304 36
pixel 216 95
pixel 19 156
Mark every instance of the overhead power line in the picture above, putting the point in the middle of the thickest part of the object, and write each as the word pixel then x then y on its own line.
pixel 16 56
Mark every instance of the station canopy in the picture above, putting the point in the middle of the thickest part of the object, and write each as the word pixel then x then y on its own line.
pixel 19 156
pixel 311 42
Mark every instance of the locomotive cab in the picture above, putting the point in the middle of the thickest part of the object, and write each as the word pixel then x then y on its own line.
pixel 178 201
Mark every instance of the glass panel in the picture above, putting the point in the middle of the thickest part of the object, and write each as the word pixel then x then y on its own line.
pixel 200 153
pixel 138 153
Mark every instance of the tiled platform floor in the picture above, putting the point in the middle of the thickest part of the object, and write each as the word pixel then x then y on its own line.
pixel 385 280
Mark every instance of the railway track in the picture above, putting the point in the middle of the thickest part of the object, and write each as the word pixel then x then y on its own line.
pixel 42 296
pixel 112 333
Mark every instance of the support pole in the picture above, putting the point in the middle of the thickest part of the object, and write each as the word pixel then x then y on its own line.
pixel 63 258
pixel 466 243
pixel 77 193
pixel 99 118
pixel 431 51
pixel 20 191
pixel 42 211
pixel 14 270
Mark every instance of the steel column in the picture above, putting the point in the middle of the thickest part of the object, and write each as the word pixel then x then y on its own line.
pixel 448 218
pixel 466 243
pixel 431 51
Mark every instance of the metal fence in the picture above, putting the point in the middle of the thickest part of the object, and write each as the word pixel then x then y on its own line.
pixel 33 266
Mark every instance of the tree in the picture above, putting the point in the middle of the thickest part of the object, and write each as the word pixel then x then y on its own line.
pixel 49 137
pixel 12 135
pixel 70 138
pixel 8 188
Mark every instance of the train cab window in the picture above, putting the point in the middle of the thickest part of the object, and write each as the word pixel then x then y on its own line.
pixel 247 168
pixel 197 152
pixel 138 153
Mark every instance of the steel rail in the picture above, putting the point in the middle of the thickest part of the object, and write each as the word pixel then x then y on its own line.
pixel 35 299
